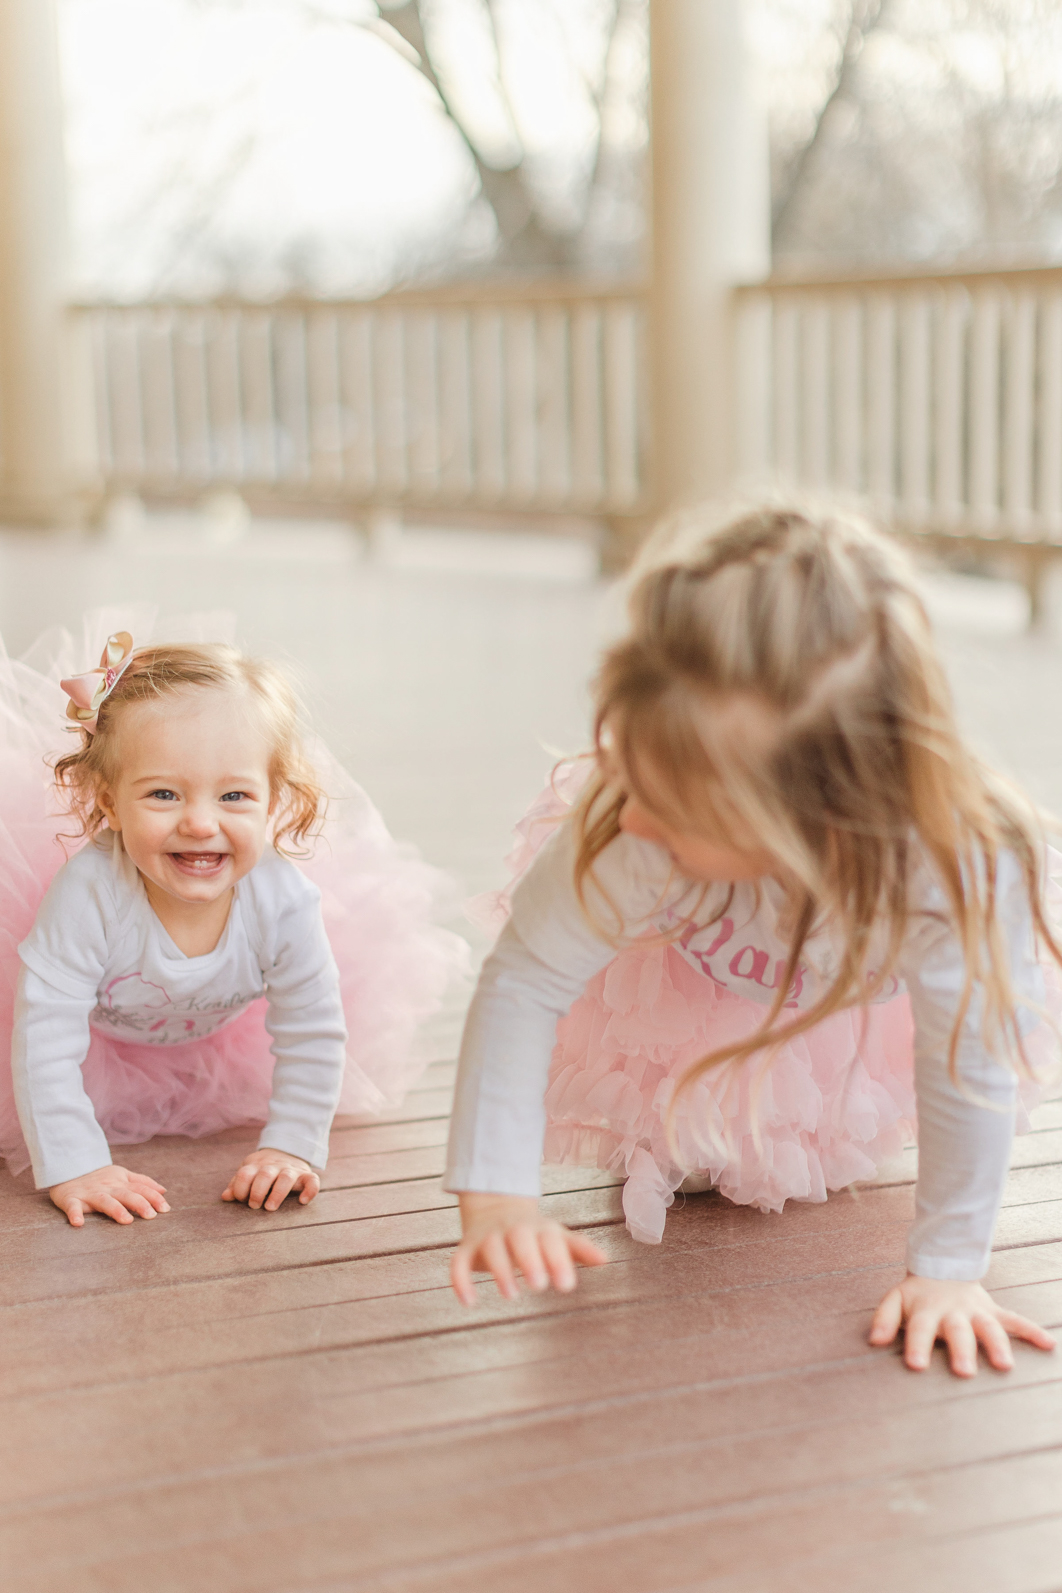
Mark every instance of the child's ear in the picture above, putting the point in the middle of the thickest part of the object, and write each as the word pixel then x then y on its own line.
pixel 105 803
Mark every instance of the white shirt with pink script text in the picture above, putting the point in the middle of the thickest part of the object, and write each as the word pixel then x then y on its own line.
pixel 549 950
pixel 98 958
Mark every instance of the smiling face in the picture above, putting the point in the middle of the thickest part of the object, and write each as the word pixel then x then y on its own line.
pixel 192 799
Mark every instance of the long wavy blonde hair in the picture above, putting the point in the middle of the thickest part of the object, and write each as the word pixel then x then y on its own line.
pixel 780 681
pixel 157 672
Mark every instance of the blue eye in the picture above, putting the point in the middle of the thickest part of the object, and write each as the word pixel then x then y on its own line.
pixel 164 795
pixel 234 796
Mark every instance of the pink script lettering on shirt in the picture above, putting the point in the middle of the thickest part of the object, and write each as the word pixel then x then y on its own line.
pixel 737 967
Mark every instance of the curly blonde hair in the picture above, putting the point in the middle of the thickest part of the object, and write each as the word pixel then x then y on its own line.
pixel 780 679
pixel 157 672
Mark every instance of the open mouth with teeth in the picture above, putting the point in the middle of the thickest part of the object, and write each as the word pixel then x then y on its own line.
pixel 199 863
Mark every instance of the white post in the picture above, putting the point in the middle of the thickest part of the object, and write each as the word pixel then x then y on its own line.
pixel 32 265
pixel 711 229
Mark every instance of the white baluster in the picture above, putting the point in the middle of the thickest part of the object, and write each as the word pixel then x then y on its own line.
pixel 949 410
pixel 849 419
pixel 1019 400
pixel 786 389
pixel 984 410
pixel 881 403
pixel 1049 430
pixel 815 392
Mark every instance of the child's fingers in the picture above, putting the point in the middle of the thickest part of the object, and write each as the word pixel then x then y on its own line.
pixel 240 1183
pixel 109 1206
pixel 151 1193
pixel 309 1186
pixel 283 1184
pixel 585 1251
pixel 527 1249
pixel 137 1204
pixel 496 1260
pixel 75 1215
pixel 958 1334
pixel 995 1342
pixel 555 1248
pixel 147 1186
pixel 1019 1327
pixel 461 1275
pixel 887 1318
pixel 261 1184
pixel 919 1338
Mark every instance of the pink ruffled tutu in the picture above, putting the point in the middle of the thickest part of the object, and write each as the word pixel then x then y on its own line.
pixel 820 1114
pixel 379 904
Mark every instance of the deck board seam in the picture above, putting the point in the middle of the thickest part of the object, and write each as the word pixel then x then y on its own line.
pixel 648 1526
pixel 578 1309
pixel 442 1435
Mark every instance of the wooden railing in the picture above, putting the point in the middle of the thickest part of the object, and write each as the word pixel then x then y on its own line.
pixel 487 398
pixel 938 399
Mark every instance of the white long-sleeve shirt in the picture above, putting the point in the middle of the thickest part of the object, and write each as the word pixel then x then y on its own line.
pixel 98 958
pixel 549 950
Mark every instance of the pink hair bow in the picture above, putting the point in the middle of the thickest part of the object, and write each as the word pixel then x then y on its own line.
pixel 89 691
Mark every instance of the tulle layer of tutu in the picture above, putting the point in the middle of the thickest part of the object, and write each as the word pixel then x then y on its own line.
pixel 380 903
pixel 821 1113
pixel 222 1081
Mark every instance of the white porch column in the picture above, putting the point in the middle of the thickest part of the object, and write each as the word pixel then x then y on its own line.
pixel 711 229
pixel 32 264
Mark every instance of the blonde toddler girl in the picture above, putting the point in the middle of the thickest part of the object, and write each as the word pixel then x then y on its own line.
pixel 784 913
pixel 182 974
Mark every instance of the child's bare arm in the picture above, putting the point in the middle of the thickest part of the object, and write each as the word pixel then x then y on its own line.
pixel 506 1234
pixel 963 1315
pixel 114 1192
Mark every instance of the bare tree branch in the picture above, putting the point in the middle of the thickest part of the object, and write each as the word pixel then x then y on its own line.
pixel 863 17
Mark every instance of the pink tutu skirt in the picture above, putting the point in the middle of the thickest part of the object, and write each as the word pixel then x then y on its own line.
pixel 820 1113
pixel 380 904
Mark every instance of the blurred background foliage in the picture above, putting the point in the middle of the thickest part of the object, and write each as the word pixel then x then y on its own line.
pixel 264 147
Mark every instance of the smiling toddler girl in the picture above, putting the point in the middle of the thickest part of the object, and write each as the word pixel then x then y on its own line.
pixel 180 976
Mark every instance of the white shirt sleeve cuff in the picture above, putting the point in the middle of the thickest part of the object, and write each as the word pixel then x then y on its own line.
pixel 478 1179
pixel 948 1269
pixel 275 1136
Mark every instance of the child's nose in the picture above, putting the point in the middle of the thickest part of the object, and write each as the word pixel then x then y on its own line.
pixel 198 819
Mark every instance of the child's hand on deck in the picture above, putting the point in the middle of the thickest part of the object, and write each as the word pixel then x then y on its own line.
pixel 962 1314
pixel 112 1191
pixel 506 1232
pixel 266 1178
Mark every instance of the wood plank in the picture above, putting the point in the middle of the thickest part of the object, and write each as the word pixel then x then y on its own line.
pixel 165 1425
pixel 197 1209
pixel 117 1339
pixel 104 1257
pixel 509 1493
pixel 117 1257
pixel 1021 1557
pixel 195 1173
pixel 427 1305
pixel 698 1556
pixel 1038 1149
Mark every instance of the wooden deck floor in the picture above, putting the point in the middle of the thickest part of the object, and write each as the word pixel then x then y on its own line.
pixel 226 1402
pixel 246 1403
